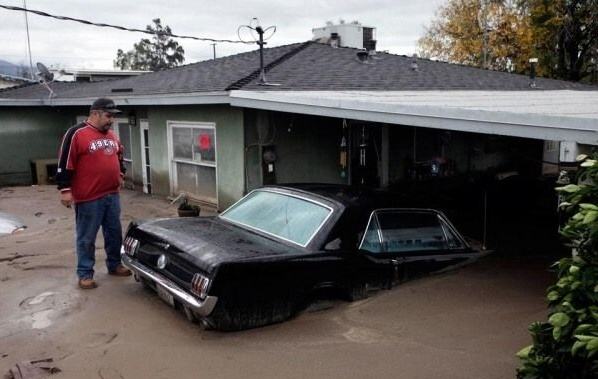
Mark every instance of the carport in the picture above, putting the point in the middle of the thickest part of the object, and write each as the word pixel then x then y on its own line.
pixel 488 158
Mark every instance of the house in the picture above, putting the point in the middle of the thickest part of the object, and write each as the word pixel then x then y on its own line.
pixel 343 34
pixel 8 81
pixel 82 75
pixel 327 114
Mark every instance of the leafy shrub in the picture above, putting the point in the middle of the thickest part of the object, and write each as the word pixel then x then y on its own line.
pixel 567 345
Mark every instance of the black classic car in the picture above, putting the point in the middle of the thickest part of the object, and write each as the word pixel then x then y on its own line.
pixel 266 256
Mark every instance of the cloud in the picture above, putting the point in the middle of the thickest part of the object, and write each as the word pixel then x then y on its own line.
pixel 68 44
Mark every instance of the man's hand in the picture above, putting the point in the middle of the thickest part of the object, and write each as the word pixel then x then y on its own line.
pixel 66 198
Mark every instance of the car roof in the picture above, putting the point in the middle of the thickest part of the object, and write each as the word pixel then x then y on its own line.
pixel 348 196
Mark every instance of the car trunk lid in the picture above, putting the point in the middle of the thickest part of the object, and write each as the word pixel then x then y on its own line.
pixel 209 241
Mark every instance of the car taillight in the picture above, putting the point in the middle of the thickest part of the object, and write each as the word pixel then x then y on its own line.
pixel 131 245
pixel 199 285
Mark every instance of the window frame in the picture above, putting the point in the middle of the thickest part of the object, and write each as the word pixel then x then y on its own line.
pixel 172 161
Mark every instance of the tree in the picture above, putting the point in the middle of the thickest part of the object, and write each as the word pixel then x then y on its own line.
pixel 562 34
pixel 566 347
pixel 160 53
pixel 565 34
pixel 472 32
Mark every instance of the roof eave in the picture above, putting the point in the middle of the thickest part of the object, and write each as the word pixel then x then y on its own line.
pixel 535 126
pixel 188 98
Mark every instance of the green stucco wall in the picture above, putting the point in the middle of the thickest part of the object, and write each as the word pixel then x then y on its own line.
pixel 307 147
pixel 29 133
pixel 229 146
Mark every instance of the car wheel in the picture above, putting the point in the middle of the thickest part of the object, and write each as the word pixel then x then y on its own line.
pixel 358 291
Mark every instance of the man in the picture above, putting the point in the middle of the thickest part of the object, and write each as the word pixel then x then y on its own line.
pixel 90 173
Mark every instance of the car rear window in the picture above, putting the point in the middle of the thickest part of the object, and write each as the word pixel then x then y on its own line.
pixel 288 217
pixel 395 231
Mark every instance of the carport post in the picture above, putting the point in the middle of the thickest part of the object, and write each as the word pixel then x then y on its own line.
pixel 485 219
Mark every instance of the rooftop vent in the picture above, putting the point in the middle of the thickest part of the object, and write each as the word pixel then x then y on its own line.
pixel 335 40
pixel 363 56
pixel 414 65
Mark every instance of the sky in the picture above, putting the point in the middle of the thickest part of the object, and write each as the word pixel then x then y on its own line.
pixel 66 44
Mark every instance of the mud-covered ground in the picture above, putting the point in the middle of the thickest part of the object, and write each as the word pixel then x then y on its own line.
pixel 467 323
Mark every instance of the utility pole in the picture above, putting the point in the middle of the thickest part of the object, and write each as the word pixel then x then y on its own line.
pixel 214 49
pixel 31 73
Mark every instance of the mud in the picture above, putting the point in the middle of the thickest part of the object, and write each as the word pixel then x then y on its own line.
pixel 462 324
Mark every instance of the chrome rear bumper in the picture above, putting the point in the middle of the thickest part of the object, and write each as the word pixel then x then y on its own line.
pixel 202 308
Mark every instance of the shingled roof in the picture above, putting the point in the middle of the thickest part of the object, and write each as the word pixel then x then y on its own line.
pixel 308 66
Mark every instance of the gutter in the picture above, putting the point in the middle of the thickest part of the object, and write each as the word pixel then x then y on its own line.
pixel 187 98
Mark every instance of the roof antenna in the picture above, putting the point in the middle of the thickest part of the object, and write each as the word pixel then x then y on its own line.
pixel 261 42
pixel 46 77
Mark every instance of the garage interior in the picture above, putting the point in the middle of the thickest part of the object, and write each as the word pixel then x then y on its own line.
pixel 496 189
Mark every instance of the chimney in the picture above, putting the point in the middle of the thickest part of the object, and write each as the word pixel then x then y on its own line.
pixel 369 43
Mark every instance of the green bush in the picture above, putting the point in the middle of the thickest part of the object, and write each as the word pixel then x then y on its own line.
pixel 567 345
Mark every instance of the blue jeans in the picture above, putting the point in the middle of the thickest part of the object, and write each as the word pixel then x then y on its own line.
pixel 89 216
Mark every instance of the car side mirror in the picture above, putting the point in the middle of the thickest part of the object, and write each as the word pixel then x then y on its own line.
pixel 335 244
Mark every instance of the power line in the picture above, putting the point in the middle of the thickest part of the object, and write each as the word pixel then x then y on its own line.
pixel 65 18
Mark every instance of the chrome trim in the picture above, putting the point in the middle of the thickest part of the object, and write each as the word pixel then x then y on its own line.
pixel 366 230
pixel 202 308
pixel 331 211
pixel 162 262
pixel 450 225
pixel 380 236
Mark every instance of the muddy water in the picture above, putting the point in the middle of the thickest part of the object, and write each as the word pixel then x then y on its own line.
pixel 463 324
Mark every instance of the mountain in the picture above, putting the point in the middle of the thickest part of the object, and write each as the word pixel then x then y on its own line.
pixel 8 68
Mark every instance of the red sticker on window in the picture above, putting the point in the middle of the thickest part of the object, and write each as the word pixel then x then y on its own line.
pixel 205 142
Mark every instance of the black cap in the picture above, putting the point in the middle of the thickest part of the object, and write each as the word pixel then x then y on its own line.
pixel 104 104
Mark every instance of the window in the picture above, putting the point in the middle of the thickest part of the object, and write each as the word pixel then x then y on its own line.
pixel 550 146
pixel 194 144
pixel 123 130
pixel 193 159
pixel 395 231
pixel 288 217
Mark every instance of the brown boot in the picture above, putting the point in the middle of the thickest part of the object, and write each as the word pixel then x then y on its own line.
pixel 87 284
pixel 120 270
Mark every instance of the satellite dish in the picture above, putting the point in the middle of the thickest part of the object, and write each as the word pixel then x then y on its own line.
pixel 44 73
pixel 46 76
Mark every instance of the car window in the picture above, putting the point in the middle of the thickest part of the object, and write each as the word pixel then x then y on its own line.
pixel 288 217
pixel 396 231
pixel 453 240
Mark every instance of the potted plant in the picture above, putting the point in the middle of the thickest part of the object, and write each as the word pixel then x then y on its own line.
pixel 186 209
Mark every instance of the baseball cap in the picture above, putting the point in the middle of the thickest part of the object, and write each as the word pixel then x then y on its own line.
pixel 106 105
